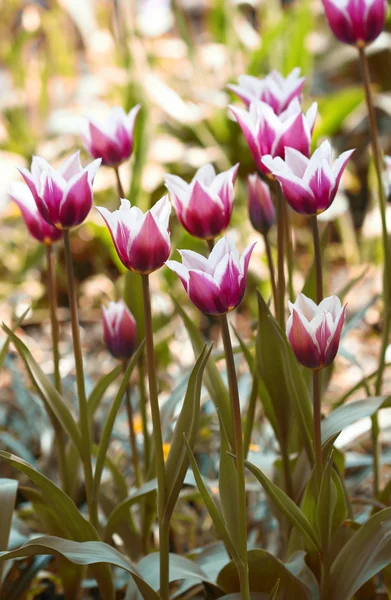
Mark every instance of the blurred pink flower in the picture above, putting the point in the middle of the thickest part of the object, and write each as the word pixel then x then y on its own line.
pixel 314 331
pixel 37 226
pixel 119 329
pixel 111 140
pixel 63 197
pixel 260 205
pixel 309 184
pixel 274 89
pixel 141 239
pixel 356 21
pixel 204 206
pixel 216 284
pixel 268 133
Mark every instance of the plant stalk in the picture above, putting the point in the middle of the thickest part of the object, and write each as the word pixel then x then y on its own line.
pixel 132 435
pixel 378 162
pixel 239 452
pixel 318 259
pixel 120 188
pixel 81 393
pixel 280 255
pixel 158 444
pixel 289 251
pixel 249 425
pixel 270 263
pixel 317 386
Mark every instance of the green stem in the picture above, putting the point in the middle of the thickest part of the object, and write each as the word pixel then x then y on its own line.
pixel 286 466
pixel 316 380
pixel 144 416
pixel 81 393
pixel 249 425
pixel 132 435
pixel 318 259
pixel 271 270
pixel 289 251
pixel 158 444
pixel 378 162
pixel 239 453
pixel 120 188
pixel 280 255
pixel 60 438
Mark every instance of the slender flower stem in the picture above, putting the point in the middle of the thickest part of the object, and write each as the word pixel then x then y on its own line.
pixel 239 452
pixel 158 443
pixel 249 425
pixel 317 383
pixel 271 270
pixel 144 416
pixel 280 255
pixel 318 259
pixel 132 435
pixel 289 251
pixel 120 188
pixel 83 407
pixel 378 162
pixel 60 438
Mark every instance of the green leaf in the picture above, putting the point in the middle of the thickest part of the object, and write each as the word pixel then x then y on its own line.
pixel 5 346
pixel 274 592
pixel 366 553
pixel 348 414
pixel 100 388
pixel 213 379
pixel 8 491
pixel 48 391
pixel 296 579
pixel 109 423
pixel 326 505
pixel 82 553
pixel 177 462
pixel 180 568
pixel 286 506
pixel 228 488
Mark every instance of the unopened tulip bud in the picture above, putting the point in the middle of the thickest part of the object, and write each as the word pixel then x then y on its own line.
pixel 141 239
pixel 314 331
pixel 37 226
pixel 216 284
pixel 260 205
pixel 111 140
pixel 119 329
pixel 63 197
pixel 356 22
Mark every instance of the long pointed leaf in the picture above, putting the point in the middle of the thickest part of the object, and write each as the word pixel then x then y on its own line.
pixel 8 490
pixel 100 388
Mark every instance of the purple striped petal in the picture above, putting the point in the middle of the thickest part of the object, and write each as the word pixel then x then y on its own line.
pixel 303 343
pixel 150 248
pixel 333 343
pixel 76 203
pixel 205 293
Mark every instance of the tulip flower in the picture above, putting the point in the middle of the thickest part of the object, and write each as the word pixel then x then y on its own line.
pixel 111 140
pixel 309 185
pixel 119 329
pixel 356 22
pixel 275 90
pixel 215 284
pixel 260 205
pixel 63 197
pixel 141 239
pixel 314 330
pixel 268 133
pixel 37 226
pixel 204 206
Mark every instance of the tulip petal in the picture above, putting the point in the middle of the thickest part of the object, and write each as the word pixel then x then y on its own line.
pixel 29 181
pixel 205 175
pixel 305 305
pixel 296 161
pixel 77 202
pixel 180 270
pixel 333 343
pixel 339 166
pixel 193 260
pixel 161 210
pixel 71 167
pixel 375 19
pixel 150 248
pixel 205 293
pixel 303 342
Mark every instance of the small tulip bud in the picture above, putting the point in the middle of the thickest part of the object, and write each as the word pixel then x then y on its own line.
pixel 141 239
pixel 356 22
pixel 37 226
pixel 260 205
pixel 119 329
pixel 216 284
pixel 314 331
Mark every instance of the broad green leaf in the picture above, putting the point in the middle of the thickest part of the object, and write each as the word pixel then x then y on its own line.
pixel 100 388
pixel 282 501
pixel 180 568
pixel 349 413
pixel 82 553
pixel 177 462
pixel 212 378
pixel 274 592
pixel 8 491
pixel 296 579
pixel 366 553
pixel 5 346
pixel 48 391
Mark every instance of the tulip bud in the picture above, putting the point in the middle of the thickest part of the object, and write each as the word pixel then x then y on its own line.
pixel 204 206
pixel 260 205
pixel 216 284
pixel 119 329
pixel 37 226
pixel 63 197
pixel 354 22
pixel 113 139
pixel 142 240
pixel 314 331
pixel 309 185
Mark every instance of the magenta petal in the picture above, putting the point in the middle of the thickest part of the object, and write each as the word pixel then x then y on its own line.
pixel 49 199
pixel 104 147
pixel 205 293
pixel 150 248
pixel 243 119
pixel 205 216
pixel 30 182
pixel 339 22
pixel 375 19
pixel 321 186
pixel 77 202
pixel 333 343
pixel 305 349
pixel 297 136
pixel 297 195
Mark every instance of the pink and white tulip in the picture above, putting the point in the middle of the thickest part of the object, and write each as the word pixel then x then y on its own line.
pixel 314 331
pixel 141 239
pixel 111 140
pixel 356 22
pixel 204 206
pixel 119 329
pixel 260 205
pixel 275 90
pixel 63 196
pixel 216 284
pixel 268 133
pixel 309 184
pixel 37 226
